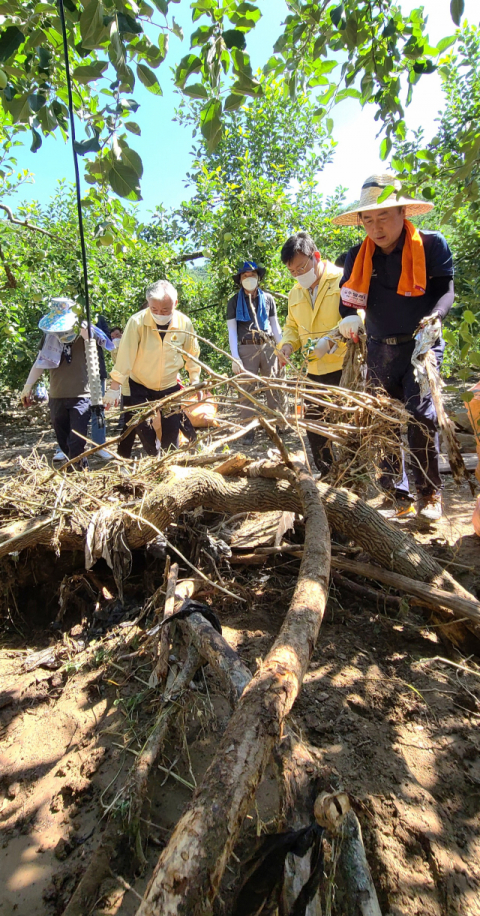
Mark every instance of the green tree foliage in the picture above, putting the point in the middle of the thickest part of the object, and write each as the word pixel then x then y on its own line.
pixel 114 44
pixel 448 171
pixel 253 191
pixel 37 267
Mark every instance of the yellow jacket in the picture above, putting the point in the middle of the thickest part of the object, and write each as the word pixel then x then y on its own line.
pixel 144 357
pixel 304 322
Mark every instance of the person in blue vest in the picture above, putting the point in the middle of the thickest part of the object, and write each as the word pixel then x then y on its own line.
pixel 253 332
pixel 403 278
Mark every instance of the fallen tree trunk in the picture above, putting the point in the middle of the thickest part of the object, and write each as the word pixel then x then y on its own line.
pixel 183 489
pixel 189 871
pixel 215 649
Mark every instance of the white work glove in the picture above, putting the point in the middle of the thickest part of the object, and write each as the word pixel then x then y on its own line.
pixel 237 366
pixel 434 321
pixel 322 346
pixel 349 327
pixel 111 397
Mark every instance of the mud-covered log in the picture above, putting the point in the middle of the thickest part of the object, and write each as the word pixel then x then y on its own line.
pixel 190 869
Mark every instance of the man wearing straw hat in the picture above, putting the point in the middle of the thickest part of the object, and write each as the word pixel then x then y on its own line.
pixel 403 278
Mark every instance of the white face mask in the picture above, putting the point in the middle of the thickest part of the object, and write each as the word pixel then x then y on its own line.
pixel 116 342
pixel 250 284
pixel 162 319
pixel 307 280
pixel 67 337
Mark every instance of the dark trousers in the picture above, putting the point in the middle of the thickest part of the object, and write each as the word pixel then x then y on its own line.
pixel 146 433
pixel 390 367
pixel 70 418
pixel 320 446
pixel 126 445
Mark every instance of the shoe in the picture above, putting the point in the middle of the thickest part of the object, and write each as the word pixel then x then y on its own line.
pixel 430 507
pixel 397 504
pixel 103 453
pixel 60 456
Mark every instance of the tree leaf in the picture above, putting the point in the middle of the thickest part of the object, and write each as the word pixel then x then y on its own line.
pixel 91 145
pixel 10 41
pixel 92 28
pixel 36 141
pixel 196 91
pixel 336 15
pixel 233 38
pixel 211 124
pixel 133 127
pixel 445 43
pixel 177 29
pixel 128 25
pixel 189 64
pixel 233 102
pixel 162 6
pixel 87 72
pixel 245 16
pixel 131 159
pixel 124 181
pixel 36 101
pixel 148 78
pixel 385 147
pixel 456 10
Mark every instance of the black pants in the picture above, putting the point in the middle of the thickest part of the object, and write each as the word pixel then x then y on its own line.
pixel 126 445
pixel 146 433
pixel 321 446
pixel 70 418
pixel 390 367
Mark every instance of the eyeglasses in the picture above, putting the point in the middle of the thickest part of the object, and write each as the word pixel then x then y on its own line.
pixel 300 270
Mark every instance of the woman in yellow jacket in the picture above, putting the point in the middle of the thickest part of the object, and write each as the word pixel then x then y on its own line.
pixel 313 312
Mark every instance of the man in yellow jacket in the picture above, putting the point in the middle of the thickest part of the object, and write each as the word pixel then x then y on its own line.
pixel 313 312
pixel 149 358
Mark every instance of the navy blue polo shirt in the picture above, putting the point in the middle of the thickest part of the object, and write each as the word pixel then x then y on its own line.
pixel 391 315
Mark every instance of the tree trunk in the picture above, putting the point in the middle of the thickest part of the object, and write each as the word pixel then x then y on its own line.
pixel 190 869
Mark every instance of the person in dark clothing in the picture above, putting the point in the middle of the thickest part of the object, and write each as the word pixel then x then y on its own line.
pixel 403 278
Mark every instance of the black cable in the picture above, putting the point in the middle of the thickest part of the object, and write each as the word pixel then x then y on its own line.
pixel 75 165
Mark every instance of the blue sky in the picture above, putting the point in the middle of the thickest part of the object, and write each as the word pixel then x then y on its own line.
pixel 165 146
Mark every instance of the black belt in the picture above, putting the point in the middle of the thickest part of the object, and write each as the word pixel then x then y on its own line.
pixel 393 341
pixel 254 339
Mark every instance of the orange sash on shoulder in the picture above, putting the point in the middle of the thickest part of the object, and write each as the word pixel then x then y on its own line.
pixel 413 279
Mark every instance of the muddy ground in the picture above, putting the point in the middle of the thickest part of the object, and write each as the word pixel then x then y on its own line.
pixel 386 703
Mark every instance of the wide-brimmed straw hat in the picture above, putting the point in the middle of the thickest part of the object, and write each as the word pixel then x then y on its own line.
pixel 249 265
pixel 371 190
pixel 59 318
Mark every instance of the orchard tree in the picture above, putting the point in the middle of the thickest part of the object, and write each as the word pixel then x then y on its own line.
pixel 114 44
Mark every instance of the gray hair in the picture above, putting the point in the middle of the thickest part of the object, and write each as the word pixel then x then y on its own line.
pixel 160 289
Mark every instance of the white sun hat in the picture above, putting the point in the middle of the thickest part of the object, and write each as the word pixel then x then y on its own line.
pixel 371 190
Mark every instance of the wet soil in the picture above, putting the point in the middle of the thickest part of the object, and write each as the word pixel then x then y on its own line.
pixel 388 706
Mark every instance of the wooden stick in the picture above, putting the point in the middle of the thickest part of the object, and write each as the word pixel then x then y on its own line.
pixel 159 673
pixel 189 871
pixel 216 650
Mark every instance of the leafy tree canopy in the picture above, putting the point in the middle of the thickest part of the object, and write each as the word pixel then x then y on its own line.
pixel 360 48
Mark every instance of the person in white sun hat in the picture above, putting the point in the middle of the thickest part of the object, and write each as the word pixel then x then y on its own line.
pixel 403 278
pixel 62 351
